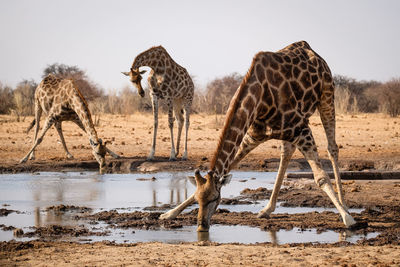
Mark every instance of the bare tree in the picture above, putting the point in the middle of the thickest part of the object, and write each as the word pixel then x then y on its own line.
pixel 220 91
pixel 89 90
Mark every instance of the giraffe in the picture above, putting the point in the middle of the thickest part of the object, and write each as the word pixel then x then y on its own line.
pixel 61 101
pixel 170 82
pixel 279 93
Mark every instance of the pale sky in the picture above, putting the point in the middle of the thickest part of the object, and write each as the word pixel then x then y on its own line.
pixel 210 38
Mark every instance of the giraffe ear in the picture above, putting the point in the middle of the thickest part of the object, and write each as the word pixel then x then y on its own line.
pixel 226 179
pixel 197 179
pixel 192 180
pixel 125 73
pixel 142 72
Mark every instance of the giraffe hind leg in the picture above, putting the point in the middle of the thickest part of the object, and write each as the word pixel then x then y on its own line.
pixel 187 123
pixel 60 133
pixel 308 148
pixel 179 119
pixel 327 113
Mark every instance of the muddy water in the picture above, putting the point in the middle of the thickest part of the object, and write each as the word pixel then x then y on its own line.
pixel 30 195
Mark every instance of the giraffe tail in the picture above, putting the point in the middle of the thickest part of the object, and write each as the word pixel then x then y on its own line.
pixel 30 126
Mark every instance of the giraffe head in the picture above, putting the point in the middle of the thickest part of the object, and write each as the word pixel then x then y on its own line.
pixel 136 76
pixel 99 152
pixel 208 195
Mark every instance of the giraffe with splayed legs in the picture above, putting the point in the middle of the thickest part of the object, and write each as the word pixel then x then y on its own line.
pixel 170 82
pixel 61 100
pixel 274 101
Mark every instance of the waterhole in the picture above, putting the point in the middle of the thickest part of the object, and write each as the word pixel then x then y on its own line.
pixel 28 197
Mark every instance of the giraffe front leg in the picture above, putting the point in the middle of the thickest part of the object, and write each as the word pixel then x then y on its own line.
pixel 171 214
pixel 172 156
pixel 38 114
pixel 287 151
pixel 155 126
pixel 307 146
pixel 60 133
pixel 113 154
pixel 47 125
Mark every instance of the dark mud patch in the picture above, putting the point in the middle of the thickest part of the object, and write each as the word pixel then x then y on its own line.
pixel 58 231
pixel 4 227
pixel 358 194
pixel 5 212
pixel 68 208
pixel 137 219
pixel 163 207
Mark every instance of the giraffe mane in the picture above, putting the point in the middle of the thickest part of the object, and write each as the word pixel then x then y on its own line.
pixel 149 50
pixel 233 106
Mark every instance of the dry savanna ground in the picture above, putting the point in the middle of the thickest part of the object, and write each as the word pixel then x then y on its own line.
pixel 372 139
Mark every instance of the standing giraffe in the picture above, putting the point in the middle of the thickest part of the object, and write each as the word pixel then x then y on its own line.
pixel 274 101
pixel 61 101
pixel 170 82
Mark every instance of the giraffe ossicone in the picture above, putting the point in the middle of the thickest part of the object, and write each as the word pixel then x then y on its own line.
pixel 170 82
pixel 279 93
pixel 61 100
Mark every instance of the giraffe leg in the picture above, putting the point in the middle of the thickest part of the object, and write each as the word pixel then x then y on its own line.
pixel 171 214
pixel 78 122
pixel 179 118
pixel 187 123
pixel 38 114
pixel 254 136
pixel 154 100
pixel 49 122
pixel 172 156
pixel 327 113
pixel 287 150
pixel 60 133
pixel 307 146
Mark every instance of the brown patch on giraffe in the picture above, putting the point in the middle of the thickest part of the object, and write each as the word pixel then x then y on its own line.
pixel 274 78
pixel 305 79
pixel 297 90
pixel 260 73
pixel 286 70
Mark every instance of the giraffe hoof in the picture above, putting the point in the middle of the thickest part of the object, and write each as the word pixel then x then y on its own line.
pixel 172 159
pixel 264 215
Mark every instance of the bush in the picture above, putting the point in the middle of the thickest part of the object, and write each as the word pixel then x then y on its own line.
pixel 24 98
pixel 387 96
pixel 219 92
pixel 6 99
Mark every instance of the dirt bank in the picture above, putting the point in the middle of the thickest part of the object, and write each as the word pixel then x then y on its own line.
pixel 367 142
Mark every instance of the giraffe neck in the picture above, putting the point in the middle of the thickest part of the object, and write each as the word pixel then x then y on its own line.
pixel 82 110
pixel 240 115
pixel 156 58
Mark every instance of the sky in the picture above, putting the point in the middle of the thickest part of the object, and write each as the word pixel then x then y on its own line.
pixel 210 38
